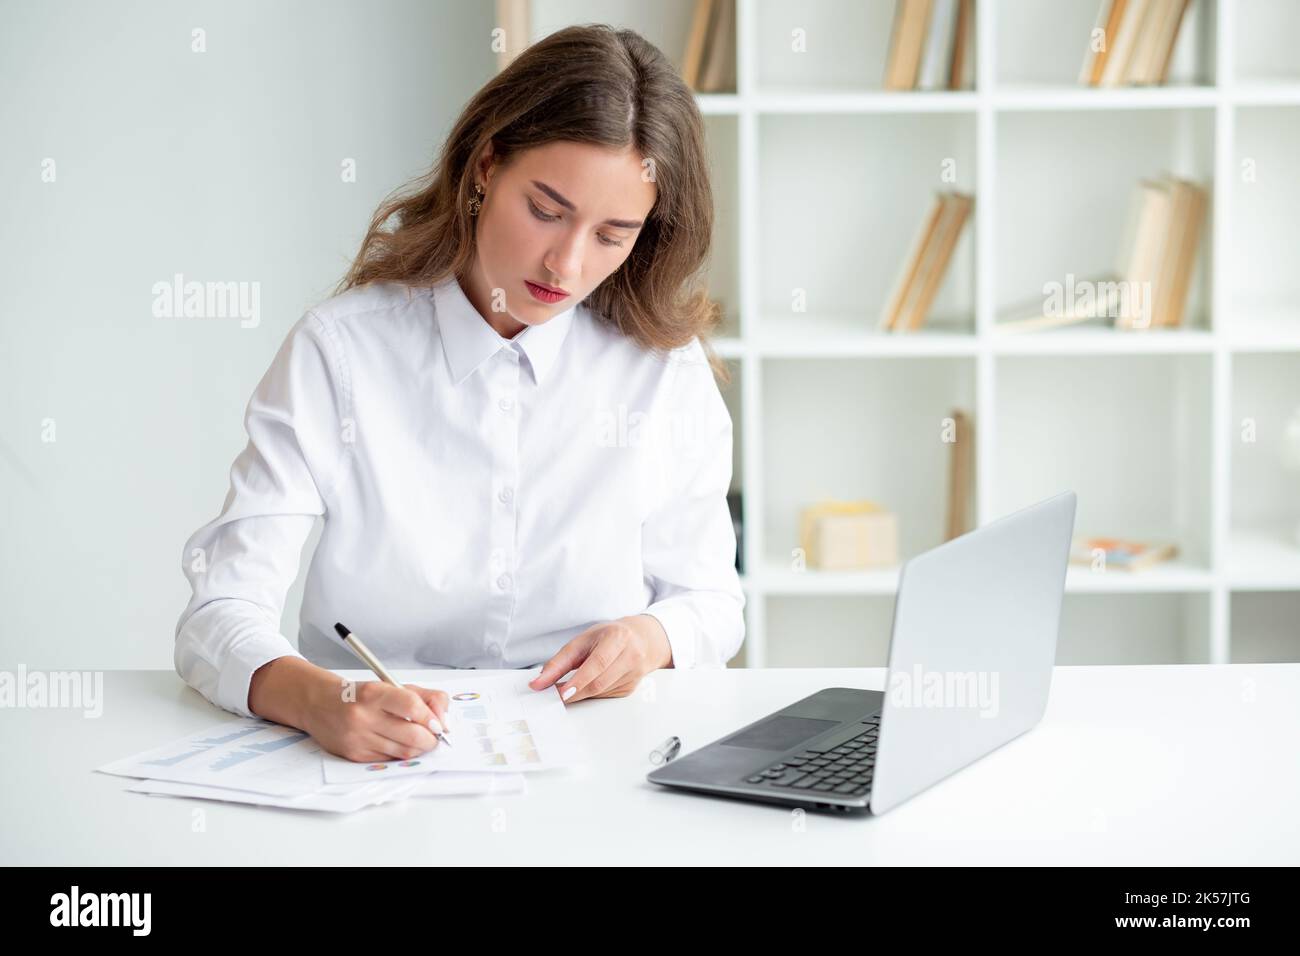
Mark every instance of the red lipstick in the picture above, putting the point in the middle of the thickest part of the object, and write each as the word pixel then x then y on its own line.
pixel 545 293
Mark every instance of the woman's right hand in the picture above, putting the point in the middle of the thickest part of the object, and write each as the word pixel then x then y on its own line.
pixel 358 720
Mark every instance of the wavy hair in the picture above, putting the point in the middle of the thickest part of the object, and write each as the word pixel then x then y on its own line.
pixel 588 84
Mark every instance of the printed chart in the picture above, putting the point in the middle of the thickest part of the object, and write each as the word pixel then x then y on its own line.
pixel 244 754
pixel 497 724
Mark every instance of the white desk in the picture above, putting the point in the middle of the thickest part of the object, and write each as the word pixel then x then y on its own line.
pixel 1131 765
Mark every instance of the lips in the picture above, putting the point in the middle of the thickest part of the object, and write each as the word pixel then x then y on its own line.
pixel 545 293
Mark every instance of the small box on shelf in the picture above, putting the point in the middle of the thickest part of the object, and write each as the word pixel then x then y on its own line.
pixel 848 535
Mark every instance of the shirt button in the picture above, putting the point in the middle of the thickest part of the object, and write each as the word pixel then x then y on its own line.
pixel 506 404
pixel 503 582
pixel 494 648
pixel 505 494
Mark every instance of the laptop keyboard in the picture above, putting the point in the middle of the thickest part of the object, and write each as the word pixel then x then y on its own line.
pixel 844 769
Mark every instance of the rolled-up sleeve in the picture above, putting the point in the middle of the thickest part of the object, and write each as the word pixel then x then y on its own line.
pixel 242 563
pixel 688 541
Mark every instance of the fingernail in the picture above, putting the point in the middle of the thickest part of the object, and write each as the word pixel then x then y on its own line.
pixel 434 725
pixel 569 693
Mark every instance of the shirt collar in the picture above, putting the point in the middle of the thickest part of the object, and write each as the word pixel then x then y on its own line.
pixel 468 340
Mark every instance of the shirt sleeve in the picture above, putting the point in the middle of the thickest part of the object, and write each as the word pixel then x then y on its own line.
pixel 241 564
pixel 689 541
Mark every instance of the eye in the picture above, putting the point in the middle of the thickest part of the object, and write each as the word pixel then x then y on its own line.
pixel 539 214
pixel 536 210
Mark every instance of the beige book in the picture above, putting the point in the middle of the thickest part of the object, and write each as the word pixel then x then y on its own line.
pixel 694 55
pixel 1168 54
pixel 1147 249
pixel 1165 33
pixel 1188 244
pixel 1039 322
pixel 961 45
pixel 911 265
pixel 959 477
pixel 718 75
pixel 512 17
pixel 1032 317
pixel 1180 209
pixel 911 18
pixel 935 267
pixel 1091 57
pixel 1145 66
pixel 1115 71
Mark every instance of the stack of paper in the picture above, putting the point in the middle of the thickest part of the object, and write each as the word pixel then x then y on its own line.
pixel 499 729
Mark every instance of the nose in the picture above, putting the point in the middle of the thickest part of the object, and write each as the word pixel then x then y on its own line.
pixel 564 263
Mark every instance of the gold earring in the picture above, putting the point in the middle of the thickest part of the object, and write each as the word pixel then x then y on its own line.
pixel 476 202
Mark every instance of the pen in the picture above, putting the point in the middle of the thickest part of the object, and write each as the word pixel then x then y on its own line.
pixel 363 652
pixel 666 751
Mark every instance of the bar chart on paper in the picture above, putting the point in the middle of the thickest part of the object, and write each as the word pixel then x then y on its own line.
pixel 494 727
pixel 245 754
pixel 497 724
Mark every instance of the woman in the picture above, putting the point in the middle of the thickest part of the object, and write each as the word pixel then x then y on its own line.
pixel 508 417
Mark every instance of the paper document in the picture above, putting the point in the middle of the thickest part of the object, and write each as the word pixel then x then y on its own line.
pixel 244 754
pixel 337 799
pixel 498 724
pixel 345 798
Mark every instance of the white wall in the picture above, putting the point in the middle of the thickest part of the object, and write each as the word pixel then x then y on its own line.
pixel 223 166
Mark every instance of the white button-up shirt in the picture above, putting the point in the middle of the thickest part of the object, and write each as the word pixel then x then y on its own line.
pixel 485 499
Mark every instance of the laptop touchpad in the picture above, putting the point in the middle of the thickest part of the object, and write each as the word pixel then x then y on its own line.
pixel 779 733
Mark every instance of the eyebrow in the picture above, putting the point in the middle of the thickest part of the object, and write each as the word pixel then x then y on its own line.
pixel 616 223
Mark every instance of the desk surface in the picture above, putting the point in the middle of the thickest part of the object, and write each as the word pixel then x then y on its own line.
pixel 1131 765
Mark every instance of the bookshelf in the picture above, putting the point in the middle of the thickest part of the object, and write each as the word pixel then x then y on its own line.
pixel 822 178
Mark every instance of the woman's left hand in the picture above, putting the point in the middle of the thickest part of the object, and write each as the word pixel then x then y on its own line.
pixel 610 658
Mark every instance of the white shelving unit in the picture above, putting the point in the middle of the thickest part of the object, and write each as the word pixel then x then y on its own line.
pixel 822 178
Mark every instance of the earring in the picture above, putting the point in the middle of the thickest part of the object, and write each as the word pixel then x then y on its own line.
pixel 476 202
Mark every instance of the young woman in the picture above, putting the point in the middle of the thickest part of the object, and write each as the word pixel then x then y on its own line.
pixel 507 416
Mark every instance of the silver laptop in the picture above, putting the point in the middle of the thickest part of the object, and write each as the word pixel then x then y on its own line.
pixel 970 666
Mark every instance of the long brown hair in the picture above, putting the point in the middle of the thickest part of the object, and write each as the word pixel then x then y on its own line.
pixel 587 84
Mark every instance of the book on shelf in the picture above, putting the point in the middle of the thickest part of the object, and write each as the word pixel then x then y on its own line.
pixel 1119 554
pixel 1150 286
pixel 931 45
pixel 709 62
pixel 1188 224
pixel 960 472
pixel 1132 43
pixel 1093 310
pixel 1169 215
pixel 1145 244
pixel 513 19
pixel 926 265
